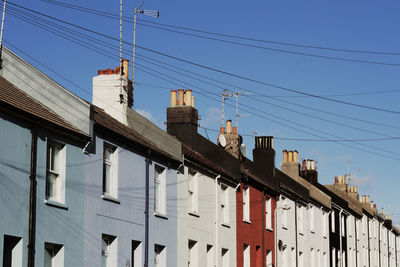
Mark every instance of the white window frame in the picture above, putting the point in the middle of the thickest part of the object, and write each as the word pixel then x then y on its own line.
pixel 193 191
pixel 225 204
pixel 225 257
pixel 13 250
pixel 268 213
pixel 193 260
pixel 311 211
pixel 210 255
pixel 109 252
pixel 246 204
pixel 53 255
pixel 268 258
pixel 160 190
pixel 160 257
pixel 246 255
pixel 110 183
pixel 333 223
pixel 55 172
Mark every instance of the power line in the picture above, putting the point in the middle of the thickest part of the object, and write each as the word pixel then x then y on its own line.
pixel 315 140
pixel 114 16
pixel 314 134
pixel 217 70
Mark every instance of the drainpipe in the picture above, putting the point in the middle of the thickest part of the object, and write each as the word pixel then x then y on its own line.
pixel 388 247
pixel 355 235
pixel 295 230
pixel 32 198
pixel 263 226
pixel 340 237
pixel 216 221
pixel 146 229
pixel 379 239
pixel 369 246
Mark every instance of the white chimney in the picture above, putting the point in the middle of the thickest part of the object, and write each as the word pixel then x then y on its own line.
pixel 107 93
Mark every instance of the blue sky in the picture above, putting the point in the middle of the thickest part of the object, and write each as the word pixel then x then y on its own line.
pixel 357 25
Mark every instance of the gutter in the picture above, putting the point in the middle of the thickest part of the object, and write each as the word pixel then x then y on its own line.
pixel 32 198
pixel 146 227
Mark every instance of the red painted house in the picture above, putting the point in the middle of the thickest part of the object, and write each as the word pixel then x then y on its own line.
pixel 255 199
pixel 255 202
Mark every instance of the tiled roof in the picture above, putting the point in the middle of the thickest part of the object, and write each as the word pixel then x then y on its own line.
pixel 12 96
pixel 103 119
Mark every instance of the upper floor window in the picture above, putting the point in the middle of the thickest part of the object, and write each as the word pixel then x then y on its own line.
pixel 300 218
pixel 159 190
pixel 225 204
pixel 268 213
pixel 110 171
pixel 55 172
pixel 343 225
pixel 193 192
pixel 109 250
pixel 246 203
pixel 333 228
pixel 312 219
pixel 325 224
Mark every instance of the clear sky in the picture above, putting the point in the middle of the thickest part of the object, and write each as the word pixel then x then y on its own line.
pixel 352 25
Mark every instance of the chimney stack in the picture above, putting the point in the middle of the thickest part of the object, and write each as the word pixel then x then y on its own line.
pixel 182 117
pixel 108 94
pixel 233 140
pixel 290 164
pixel 264 155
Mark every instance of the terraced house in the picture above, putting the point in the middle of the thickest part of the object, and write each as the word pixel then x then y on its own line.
pixel 97 184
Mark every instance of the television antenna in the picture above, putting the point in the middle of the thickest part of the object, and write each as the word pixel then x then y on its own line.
pixel 226 93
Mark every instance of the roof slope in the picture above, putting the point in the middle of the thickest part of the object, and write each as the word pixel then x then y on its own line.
pixel 11 95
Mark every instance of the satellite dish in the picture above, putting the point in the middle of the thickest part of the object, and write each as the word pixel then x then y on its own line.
pixel 222 140
pixel 243 149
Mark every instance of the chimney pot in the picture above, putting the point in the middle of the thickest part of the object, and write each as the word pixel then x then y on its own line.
pixel 336 179
pixel 313 165
pixel 228 126
pixel 290 156
pixel 285 155
pixel 188 99
pixel 181 101
pixel 271 138
pixel 374 206
pixel 222 130
pixel 295 156
pixel 234 130
pixel 125 66
pixel 192 101
pixel 304 165
pixel 308 164
pixel 173 98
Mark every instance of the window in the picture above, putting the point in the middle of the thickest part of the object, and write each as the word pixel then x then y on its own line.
pixel 312 256
pixel 193 192
pixel 284 213
pixel 12 251
pixel 312 219
pixel 246 255
pixel 210 256
pixel 225 257
pixel 268 258
pixel 343 225
pixel 192 254
pixel 110 171
pixel 268 213
pixel 55 172
pixel 136 254
pixel 324 224
pixel 333 256
pixel 159 190
pixel 225 204
pixel 246 204
pixel 333 222
pixel 300 218
pixel 325 259
pixel 301 259
pixel 53 255
pixel 109 250
pixel 293 257
pixel 160 259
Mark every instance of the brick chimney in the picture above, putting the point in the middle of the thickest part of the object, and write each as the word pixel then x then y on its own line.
pixel 290 164
pixel 182 117
pixel 309 171
pixel 232 140
pixel 107 93
pixel 264 155
pixel 341 183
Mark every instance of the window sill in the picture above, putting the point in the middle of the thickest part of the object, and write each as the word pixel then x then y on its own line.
pixel 301 234
pixel 312 231
pixel 160 215
pixel 285 227
pixel 55 204
pixel 269 229
pixel 194 214
pixel 247 221
pixel 110 198
pixel 226 225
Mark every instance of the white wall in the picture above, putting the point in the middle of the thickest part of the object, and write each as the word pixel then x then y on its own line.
pixel 201 227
